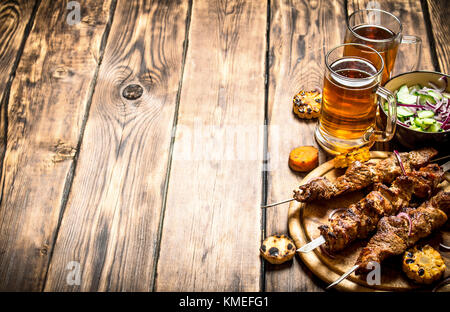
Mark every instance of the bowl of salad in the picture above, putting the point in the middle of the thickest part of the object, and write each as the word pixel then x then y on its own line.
pixel 423 109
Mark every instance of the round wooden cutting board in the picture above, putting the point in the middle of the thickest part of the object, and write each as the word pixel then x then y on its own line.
pixel 304 218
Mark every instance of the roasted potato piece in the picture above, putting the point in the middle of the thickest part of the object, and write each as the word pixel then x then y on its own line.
pixel 304 158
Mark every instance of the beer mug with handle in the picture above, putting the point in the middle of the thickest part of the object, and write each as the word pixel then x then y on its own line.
pixel 351 89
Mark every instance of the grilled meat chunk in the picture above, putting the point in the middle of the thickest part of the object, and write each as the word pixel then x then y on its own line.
pixel 360 175
pixel 361 219
pixel 393 238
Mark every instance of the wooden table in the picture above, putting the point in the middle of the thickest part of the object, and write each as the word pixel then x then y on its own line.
pixel 107 189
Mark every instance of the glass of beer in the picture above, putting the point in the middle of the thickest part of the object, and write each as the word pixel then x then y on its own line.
pixel 382 31
pixel 351 90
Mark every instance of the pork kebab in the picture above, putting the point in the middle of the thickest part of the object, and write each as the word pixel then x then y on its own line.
pixel 359 220
pixel 395 234
pixel 361 175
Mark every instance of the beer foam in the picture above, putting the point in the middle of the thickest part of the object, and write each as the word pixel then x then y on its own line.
pixel 367 70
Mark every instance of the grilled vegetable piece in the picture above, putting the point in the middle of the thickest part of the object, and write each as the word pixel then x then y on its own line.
pixel 307 104
pixel 394 235
pixel 361 219
pixel 304 158
pixel 344 160
pixel 423 265
pixel 360 175
pixel 277 249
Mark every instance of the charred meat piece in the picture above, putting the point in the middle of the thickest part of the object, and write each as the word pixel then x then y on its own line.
pixel 393 237
pixel 361 219
pixel 360 175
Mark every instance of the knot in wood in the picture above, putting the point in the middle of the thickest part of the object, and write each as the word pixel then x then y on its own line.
pixel 60 72
pixel 132 92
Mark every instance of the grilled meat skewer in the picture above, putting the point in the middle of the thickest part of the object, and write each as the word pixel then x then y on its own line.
pixel 360 175
pixel 361 219
pixel 393 237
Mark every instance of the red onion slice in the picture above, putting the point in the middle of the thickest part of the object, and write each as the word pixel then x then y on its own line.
pixel 430 105
pixel 439 104
pixel 403 124
pixel 443 78
pixel 334 211
pixel 434 86
pixel 403 214
pixel 444 246
pixel 400 162
pixel 445 122
pixel 325 251
pixel 411 105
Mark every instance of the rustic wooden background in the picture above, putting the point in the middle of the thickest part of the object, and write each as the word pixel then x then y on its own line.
pixel 90 177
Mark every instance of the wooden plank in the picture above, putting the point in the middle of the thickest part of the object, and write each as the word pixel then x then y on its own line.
pixel 300 34
pixel 439 11
pixel 212 221
pixel 110 226
pixel 46 110
pixel 14 17
pixel 15 20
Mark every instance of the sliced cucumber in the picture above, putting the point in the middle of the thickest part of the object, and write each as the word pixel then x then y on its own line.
pixel 424 98
pixel 404 97
pixel 418 122
pixel 428 121
pixel 435 95
pixel 425 114
pixel 434 127
pixel 413 89
pixel 404 112
pixel 415 119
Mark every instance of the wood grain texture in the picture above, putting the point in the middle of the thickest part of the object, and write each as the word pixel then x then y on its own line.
pixel 439 12
pixel 15 17
pixel 301 32
pixel 110 226
pixel 212 221
pixel 45 113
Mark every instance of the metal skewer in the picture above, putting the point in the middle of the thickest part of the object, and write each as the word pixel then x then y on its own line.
pixel 312 244
pixel 343 276
pixel 279 203
pixel 291 199
pixel 321 240
pixel 441 158
pixel 445 167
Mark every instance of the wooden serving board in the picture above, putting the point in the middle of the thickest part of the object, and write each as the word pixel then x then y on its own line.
pixel 304 218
